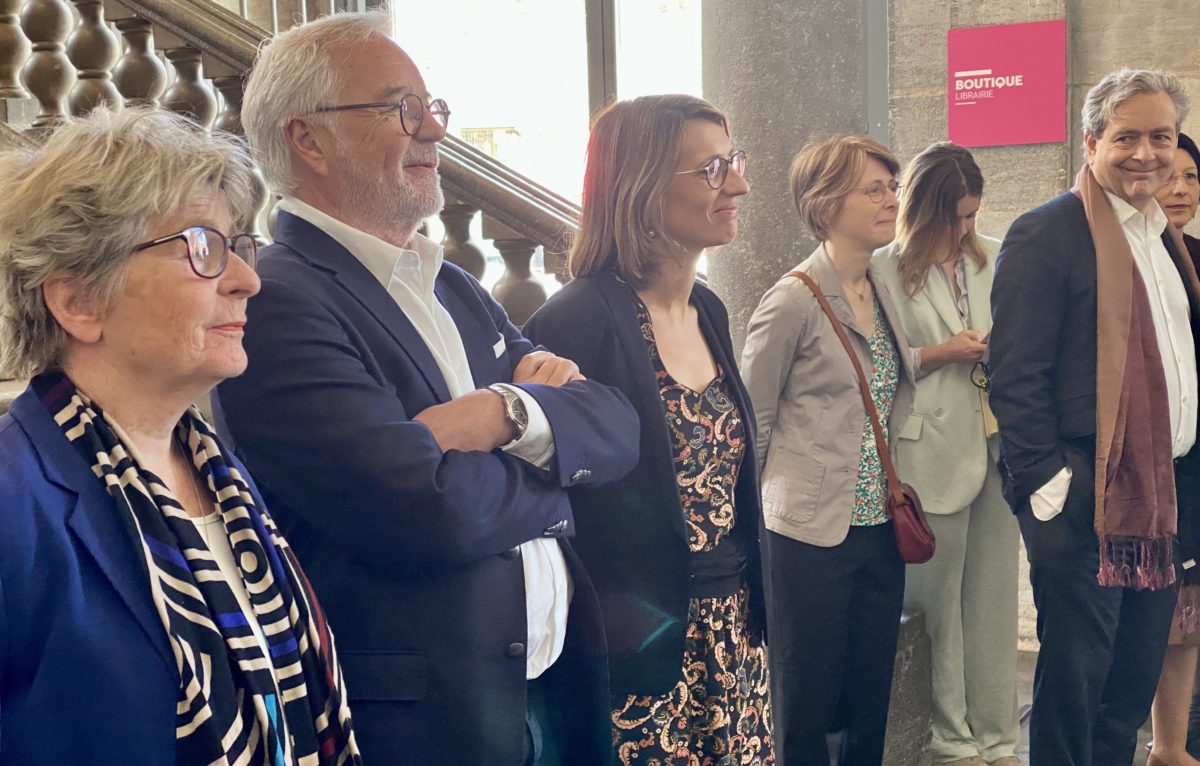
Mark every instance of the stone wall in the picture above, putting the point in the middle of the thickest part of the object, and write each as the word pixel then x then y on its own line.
pixel 782 70
pixel 1102 35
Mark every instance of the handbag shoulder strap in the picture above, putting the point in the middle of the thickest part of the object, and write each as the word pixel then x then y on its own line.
pixel 864 387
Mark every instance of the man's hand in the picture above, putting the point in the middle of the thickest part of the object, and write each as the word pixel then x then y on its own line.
pixel 474 422
pixel 967 347
pixel 545 368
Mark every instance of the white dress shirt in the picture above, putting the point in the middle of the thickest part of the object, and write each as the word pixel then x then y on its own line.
pixel 1172 330
pixel 409 276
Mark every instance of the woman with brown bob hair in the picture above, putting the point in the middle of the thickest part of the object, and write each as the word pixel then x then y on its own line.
pixel 940 269
pixel 834 573
pixel 673 548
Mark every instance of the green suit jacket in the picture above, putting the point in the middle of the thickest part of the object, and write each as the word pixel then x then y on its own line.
pixel 942 450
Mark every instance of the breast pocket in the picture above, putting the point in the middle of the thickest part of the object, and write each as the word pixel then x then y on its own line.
pixel 792 486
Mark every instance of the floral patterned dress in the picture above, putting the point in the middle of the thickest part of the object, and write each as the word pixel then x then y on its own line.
pixel 718 713
pixel 871 490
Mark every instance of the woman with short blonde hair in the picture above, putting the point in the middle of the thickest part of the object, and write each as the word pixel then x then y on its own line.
pixel 833 569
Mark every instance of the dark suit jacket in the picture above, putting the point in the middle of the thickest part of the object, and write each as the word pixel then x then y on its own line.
pixel 631 534
pixel 86 672
pixel 1043 355
pixel 412 552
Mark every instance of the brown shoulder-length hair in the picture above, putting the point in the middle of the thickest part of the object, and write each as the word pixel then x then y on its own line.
pixel 826 170
pixel 927 227
pixel 631 158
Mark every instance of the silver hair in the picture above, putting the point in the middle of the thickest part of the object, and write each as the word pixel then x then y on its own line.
pixel 293 76
pixel 1100 104
pixel 81 202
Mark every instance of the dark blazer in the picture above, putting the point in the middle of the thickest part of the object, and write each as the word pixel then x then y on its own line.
pixel 632 534
pixel 1042 353
pixel 86 672
pixel 413 553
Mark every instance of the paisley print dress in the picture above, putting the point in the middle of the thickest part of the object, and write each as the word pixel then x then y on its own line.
pixel 718 713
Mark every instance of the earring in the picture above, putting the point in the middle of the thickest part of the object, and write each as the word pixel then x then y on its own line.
pixel 651 233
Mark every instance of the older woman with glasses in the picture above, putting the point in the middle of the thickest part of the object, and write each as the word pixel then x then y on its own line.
pixel 673 547
pixel 940 270
pixel 835 579
pixel 151 612
pixel 1176 684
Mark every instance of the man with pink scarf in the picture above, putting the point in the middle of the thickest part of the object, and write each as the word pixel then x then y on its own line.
pixel 1095 308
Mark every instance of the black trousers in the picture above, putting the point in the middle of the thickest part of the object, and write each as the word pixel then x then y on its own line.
pixel 1193 740
pixel 833 615
pixel 1101 647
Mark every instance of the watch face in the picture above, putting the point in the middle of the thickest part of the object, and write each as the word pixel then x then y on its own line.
pixel 516 411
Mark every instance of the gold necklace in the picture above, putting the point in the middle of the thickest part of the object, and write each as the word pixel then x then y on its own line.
pixel 862 295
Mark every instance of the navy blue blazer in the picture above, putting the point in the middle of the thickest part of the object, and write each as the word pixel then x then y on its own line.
pixel 632 535
pixel 86 672
pixel 412 552
pixel 1042 354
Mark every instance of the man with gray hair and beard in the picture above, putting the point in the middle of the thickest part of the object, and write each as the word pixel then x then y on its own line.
pixel 1095 309
pixel 414 445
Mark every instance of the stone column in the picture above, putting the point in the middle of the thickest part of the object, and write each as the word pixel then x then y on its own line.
pixel 782 72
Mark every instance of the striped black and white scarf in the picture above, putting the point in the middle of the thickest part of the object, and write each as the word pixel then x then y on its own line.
pixel 237 705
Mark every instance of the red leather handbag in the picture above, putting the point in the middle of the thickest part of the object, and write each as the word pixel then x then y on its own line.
pixel 914 538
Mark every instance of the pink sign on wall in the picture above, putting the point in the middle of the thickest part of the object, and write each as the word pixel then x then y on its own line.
pixel 1008 84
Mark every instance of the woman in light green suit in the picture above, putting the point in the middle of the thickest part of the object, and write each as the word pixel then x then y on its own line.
pixel 940 272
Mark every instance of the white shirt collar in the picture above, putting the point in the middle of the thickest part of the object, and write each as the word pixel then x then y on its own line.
pixel 1155 222
pixel 417 265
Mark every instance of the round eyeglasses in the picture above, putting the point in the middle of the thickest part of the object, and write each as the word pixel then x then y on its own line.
pixel 208 249
pixel 878 190
pixel 410 107
pixel 716 170
pixel 980 376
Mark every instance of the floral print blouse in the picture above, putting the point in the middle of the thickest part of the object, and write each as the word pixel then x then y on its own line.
pixel 871 490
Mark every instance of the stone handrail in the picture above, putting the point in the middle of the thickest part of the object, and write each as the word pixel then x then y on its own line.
pixel 230 42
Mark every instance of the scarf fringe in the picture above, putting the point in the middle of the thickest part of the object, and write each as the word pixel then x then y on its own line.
pixel 1137 563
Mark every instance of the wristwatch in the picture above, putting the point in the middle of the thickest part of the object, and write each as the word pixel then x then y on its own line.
pixel 514 408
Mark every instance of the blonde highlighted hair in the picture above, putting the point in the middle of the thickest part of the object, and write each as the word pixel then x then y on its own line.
pixel 935 182
pixel 81 202
pixel 631 158
pixel 826 170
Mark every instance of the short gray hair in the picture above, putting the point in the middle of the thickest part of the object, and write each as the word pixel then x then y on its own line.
pixel 293 76
pixel 1100 105
pixel 80 203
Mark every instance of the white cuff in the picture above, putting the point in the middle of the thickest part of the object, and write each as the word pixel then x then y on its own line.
pixel 1048 501
pixel 536 445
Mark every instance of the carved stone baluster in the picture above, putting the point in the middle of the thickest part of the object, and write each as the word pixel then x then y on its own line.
pixel 232 90
pixel 48 73
pixel 252 224
pixel 189 95
pixel 518 291
pixel 555 263
pixel 458 247
pixel 139 75
pixel 93 49
pixel 15 50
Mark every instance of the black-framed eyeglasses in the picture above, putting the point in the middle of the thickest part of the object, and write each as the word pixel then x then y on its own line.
pixel 716 170
pixel 411 108
pixel 878 190
pixel 979 376
pixel 208 249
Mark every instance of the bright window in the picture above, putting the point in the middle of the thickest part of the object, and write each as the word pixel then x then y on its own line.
pixel 515 75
